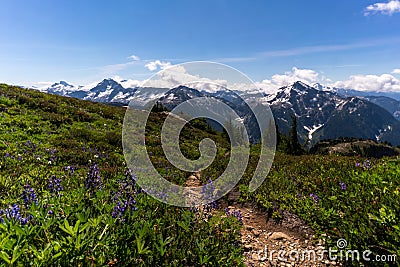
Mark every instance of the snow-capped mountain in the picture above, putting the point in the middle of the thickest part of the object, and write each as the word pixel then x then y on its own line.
pixel 390 104
pixel 327 115
pixel 321 112
pixel 107 91
pixel 61 88
pixel 387 100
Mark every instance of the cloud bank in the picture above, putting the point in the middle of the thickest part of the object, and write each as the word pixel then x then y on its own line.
pixel 157 64
pixel 388 8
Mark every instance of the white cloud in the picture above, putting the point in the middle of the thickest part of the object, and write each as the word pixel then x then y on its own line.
pixel 39 85
pixel 134 57
pixel 178 75
pixel 127 83
pixel 154 65
pixel 304 75
pixel 277 81
pixel 389 8
pixel 382 83
pixel 396 71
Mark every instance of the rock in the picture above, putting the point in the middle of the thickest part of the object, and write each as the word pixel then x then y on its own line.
pixel 249 227
pixel 255 232
pixel 279 236
pixel 248 247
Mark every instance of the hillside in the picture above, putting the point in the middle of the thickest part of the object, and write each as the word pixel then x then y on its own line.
pixel 67 199
pixel 322 113
pixel 349 147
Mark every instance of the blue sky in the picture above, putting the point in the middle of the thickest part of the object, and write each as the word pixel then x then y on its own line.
pixel 339 42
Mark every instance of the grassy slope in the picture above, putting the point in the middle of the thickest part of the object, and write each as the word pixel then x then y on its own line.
pixel 365 212
pixel 100 216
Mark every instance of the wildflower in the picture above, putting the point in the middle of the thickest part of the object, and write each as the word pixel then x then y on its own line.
pixel 314 197
pixel 124 197
pixel 55 186
pixel 29 195
pixel 93 179
pixel 71 169
pixel 121 207
pixel 13 212
pixel 236 213
pixel 207 190
pixel 342 186
pixel 194 209
pixel 367 164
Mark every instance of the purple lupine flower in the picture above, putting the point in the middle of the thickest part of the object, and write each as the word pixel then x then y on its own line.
pixel 367 164
pixel 121 207
pixel 342 186
pixel 208 189
pixel 69 169
pixel 235 213
pixel 93 180
pixel 12 212
pixel 358 164
pixel 314 197
pixel 227 212
pixel 238 215
pixel 55 186
pixel 29 195
pixel 194 209
pixel 124 196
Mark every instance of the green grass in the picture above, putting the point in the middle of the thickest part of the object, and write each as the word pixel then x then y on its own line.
pixel 42 136
pixel 357 199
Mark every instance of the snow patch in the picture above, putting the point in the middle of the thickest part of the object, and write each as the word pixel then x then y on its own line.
pixel 312 130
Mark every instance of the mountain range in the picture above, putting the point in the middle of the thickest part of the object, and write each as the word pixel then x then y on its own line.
pixel 321 112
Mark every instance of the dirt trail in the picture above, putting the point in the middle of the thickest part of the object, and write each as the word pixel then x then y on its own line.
pixel 267 243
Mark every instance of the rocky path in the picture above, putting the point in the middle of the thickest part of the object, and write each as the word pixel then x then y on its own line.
pixel 290 243
pixel 267 243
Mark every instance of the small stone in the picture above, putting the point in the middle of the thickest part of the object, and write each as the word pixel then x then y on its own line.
pixel 249 227
pixel 255 232
pixel 279 236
